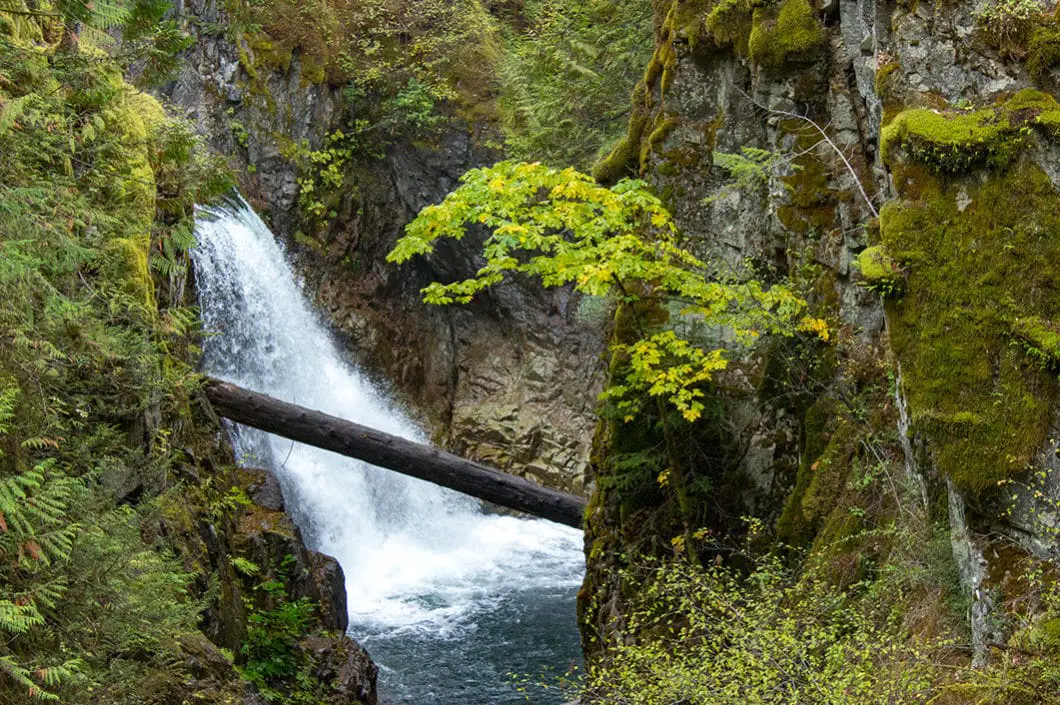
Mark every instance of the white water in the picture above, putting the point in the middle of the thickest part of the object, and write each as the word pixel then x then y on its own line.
pixel 419 560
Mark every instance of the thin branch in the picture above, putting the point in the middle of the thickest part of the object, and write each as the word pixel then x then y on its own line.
pixel 825 138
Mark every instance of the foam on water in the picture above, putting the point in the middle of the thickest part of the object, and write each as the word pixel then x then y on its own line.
pixel 417 558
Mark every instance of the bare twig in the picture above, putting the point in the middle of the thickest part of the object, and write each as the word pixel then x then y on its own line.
pixel 824 138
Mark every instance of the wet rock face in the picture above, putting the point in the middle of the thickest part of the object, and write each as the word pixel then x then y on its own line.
pixel 271 552
pixel 346 666
pixel 511 380
pixel 269 538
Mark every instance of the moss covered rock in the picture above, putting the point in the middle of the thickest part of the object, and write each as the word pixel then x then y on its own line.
pixel 878 271
pixel 784 33
pixel 977 264
pixel 954 142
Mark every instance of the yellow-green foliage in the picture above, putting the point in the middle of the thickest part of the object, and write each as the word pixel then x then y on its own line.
pixel 562 228
pixel 708 636
pixel 790 32
pixel 954 142
pixel 980 257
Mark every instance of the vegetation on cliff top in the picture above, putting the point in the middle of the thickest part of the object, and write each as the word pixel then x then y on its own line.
pixel 566 78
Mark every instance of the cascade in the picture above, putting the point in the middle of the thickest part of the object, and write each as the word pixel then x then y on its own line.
pixel 447 598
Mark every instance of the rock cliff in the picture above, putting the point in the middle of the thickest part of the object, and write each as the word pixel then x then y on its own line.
pixel 912 191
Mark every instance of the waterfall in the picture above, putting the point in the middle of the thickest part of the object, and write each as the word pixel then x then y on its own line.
pixel 424 565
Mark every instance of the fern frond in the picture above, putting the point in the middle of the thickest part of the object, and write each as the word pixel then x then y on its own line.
pixel 15 109
pixel 18 619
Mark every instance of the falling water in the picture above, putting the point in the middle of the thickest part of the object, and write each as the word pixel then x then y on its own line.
pixel 447 599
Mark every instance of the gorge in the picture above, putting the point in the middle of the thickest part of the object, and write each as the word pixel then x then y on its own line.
pixel 773 284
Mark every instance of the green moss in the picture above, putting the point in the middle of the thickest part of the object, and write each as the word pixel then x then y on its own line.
pixel 878 271
pixel 245 62
pixel 1031 99
pixel 130 261
pixel 660 131
pixel 687 20
pixel 779 35
pixel 976 264
pixel 313 70
pixel 268 54
pixel 811 202
pixel 623 158
pixel 883 79
pixel 794 526
pixel 956 142
pixel 1040 340
pixel 617 164
pixel 667 57
pixel 729 23
pixel 1043 51
pixel 1049 120
pixel 953 143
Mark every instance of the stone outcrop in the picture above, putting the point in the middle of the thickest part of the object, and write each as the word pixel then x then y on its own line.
pixel 834 95
pixel 268 538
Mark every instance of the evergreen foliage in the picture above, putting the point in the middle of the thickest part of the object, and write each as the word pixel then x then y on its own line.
pixel 97 188
pixel 447 47
pixel 567 75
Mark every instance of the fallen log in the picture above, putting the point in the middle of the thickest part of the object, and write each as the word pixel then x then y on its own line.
pixel 338 435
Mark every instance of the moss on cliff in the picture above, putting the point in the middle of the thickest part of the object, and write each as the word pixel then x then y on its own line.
pixel 977 264
pixel 1040 339
pixel 878 271
pixel 1043 50
pixel 955 142
pixel 729 23
pixel 779 34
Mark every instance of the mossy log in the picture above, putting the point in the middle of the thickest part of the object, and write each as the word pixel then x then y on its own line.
pixel 344 437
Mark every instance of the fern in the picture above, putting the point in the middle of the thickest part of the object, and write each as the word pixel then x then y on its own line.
pixel 101 15
pixel 35 531
pixel 749 169
pixel 18 619
pixel 34 681
pixel 7 409
pixel 15 109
